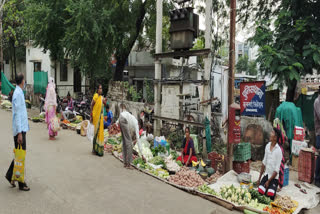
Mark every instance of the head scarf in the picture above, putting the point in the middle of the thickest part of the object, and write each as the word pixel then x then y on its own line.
pixel 51 96
pixel 278 125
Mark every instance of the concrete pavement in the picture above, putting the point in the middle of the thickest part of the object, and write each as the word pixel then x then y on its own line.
pixel 65 178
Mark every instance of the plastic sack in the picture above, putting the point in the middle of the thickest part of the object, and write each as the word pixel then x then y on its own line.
pixel 145 148
pixel 297 146
pixel 90 132
pixel 18 169
pixel 195 142
pixel 55 124
pixel 84 126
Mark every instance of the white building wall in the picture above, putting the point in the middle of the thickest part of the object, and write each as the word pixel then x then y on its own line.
pixel 220 88
pixel 21 67
pixel 37 54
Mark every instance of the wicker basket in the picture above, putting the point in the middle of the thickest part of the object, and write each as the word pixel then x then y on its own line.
pixel 242 152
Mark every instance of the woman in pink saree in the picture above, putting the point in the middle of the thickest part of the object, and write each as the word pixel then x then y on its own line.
pixel 50 107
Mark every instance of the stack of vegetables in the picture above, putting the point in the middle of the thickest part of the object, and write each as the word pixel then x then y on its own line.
pixel 206 189
pixel 158 161
pixel 159 149
pixel 187 178
pixel 171 164
pixel 240 196
pixel 261 198
pixel 213 178
pixel 145 149
pixel 117 148
pixel 285 203
pixel 108 148
pixel 159 172
pixel 114 129
pixel 6 104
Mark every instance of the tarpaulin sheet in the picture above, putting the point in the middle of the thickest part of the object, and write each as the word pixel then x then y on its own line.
pixel 306 201
pixel 6 86
pixel 40 82
pixel 305 102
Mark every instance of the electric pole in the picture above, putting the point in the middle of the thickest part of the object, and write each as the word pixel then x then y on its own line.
pixel 233 4
pixel 157 85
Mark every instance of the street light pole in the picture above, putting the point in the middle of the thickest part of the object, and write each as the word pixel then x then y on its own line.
pixel 157 76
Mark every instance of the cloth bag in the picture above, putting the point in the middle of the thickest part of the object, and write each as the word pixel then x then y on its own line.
pixel 18 169
pixel 55 124
pixel 90 132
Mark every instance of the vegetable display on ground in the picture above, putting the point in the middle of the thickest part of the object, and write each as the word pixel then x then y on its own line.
pixel 261 198
pixel 171 164
pixel 186 177
pixel 206 189
pixel 158 161
pixel 285 203
pixel 213 178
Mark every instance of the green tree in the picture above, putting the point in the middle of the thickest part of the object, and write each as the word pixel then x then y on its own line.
pixel 45 24
pixel 288 34
pixel 247 66
pixel 13 33
pixel 90 32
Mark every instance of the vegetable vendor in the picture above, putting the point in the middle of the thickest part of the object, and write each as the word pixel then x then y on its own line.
pixel 107 114
pixel 140 127
pixel 128 126
pixel 271 166
pixel 188 151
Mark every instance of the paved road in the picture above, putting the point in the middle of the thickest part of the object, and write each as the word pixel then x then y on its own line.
pixel 65 178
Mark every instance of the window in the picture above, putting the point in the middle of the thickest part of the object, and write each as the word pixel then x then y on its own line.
pixel 37 66
pixel 64 70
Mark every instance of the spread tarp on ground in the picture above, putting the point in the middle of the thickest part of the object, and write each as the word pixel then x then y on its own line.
pixel 40 82
pixel 6 86
pixel 306 201
pixel 306 102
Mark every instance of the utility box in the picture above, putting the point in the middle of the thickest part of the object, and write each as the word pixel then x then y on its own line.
pixel 234 131
pixel 184 28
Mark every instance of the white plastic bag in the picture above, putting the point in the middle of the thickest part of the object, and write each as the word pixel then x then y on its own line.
pixel 90 132
pixel 55 124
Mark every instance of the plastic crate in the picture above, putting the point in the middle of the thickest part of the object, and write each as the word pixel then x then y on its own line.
pixel 306 166
pixel 286 177
pixel 239 167
pixel 242 152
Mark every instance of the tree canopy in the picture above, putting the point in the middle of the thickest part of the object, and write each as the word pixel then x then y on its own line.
pixel 13 32
pixel 288 34
pixel 90 32
pixel 246 65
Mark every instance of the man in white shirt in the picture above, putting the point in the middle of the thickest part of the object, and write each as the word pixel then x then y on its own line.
pixel 128 125
pixel 270 166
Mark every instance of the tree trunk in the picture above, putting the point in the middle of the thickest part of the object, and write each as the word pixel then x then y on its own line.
pixel 121 63
pixel 55 72
pixel 123 55
pixel 15 61
pixel 291 90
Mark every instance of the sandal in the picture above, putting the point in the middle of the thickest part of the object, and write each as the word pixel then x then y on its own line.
pixel 13 185
pixel 298 185
pixel 303 191
pixel 25 188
